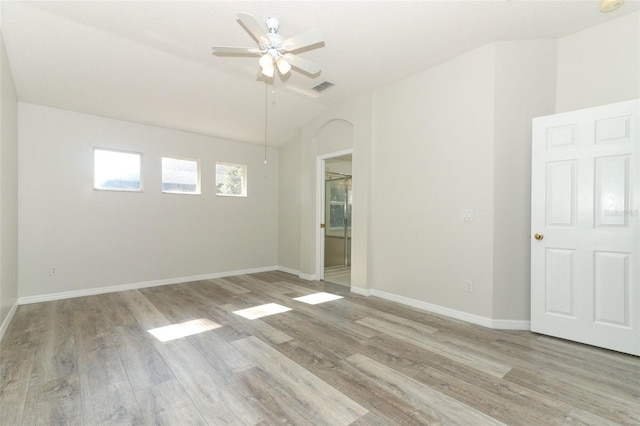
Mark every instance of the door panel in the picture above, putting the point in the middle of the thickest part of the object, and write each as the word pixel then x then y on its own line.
pixel 561 136
pixel 612 191
pixel 561 193
pixel 613 130
pixel 612 288
pixel 560 282
pixel 585 282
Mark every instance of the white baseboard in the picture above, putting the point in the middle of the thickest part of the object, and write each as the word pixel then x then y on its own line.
pixel 288 270
pixel 511 324
pixel 134 286
pixel 451 313
pixel 308 277
pixel 297 273
pixel 448 312
pixel 7 320
pixel 361 291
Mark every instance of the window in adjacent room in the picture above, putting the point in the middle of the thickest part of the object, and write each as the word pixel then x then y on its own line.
pixel 180 176
pixel 116 170
pixel 231 180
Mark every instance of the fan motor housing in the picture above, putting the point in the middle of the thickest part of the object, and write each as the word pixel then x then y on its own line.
pixel 273 24
pixel 275 40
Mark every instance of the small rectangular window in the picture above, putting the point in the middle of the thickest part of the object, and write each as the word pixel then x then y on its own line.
pixel 180 176
pixel 116 170
pixel 231 180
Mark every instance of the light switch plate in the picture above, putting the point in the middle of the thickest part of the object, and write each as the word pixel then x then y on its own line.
pixel 467 215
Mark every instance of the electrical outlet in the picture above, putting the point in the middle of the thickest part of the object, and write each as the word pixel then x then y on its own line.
pixel 468 286
pixel 53 270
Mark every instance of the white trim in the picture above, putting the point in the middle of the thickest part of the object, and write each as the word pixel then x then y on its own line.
pixel 336 154
pixel 288 270
pixel 361 291
pixel 134 286
pixel 451 313
pixel 7 320
pixel 437 309
pixel 448 312
pixel 320 170
pixel 511 324
pixel 308 277
pixel 320 218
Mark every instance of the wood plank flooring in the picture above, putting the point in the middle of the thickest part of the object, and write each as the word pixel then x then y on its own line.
pixel 355 360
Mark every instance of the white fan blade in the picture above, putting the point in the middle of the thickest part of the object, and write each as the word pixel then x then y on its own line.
pixel 302 64
pixel 224 50
pixel 301 40
pixel 254 28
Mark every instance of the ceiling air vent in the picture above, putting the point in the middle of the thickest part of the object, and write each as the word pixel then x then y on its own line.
pixel 322 86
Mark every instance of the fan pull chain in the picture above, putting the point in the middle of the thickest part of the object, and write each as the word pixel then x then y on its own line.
pixel 266 121
pixel 266 109
pixel 273 92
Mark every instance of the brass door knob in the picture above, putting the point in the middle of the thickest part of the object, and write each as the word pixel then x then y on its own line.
pixel 538 236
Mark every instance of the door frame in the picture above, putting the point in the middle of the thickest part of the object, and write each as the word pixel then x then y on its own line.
pixel 320 207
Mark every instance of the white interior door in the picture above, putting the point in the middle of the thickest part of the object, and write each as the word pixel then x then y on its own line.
pixel 585 245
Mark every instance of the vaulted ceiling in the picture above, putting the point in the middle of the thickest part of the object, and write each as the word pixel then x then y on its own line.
pixel 151 61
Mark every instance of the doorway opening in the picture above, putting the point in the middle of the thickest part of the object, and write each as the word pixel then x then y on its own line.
pixel 337 219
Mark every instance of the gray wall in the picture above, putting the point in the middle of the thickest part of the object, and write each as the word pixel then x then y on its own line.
pixel 457 136
pixel 289 208
pixel 107 238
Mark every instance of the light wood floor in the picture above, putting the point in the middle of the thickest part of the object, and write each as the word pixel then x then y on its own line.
pixel 354 360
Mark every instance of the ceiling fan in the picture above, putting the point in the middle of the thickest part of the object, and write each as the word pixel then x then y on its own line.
pixel 273 49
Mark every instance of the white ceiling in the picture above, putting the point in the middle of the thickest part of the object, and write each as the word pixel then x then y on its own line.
pixel 151 61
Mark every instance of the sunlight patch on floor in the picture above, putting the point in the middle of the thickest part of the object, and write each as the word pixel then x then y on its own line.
pixel 316 298
pixel 262 311
pixel 184 329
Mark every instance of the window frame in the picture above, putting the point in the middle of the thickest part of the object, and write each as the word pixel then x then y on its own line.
pixel 198 178
pixel 120 151
pixel 245 180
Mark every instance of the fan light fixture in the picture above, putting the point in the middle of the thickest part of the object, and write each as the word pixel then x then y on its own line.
pixel 266 60
pixel 269 70
pixel 274 50
pixel 267 65
pixel 270 58
pixel 283 66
